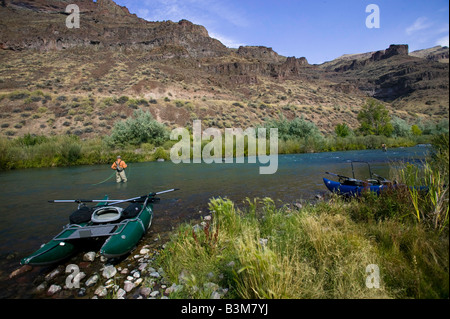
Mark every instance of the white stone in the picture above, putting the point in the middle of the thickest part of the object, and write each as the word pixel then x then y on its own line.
pixel 41 287
pixel 53 289
pixel 109 271
pixel 121 293
pixel 143 266
pixel 53 274
pixel 145 291
pixel 101 291
pixel 90 256
pixel 215 295
pixel 128 286
pixel 173 288
pixel 92 280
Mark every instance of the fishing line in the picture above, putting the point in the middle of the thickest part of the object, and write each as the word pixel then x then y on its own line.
pixel 112 175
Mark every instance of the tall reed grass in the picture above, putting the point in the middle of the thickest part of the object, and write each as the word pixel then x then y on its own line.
pixel 427 185
pixel 320 251
pixel 265 252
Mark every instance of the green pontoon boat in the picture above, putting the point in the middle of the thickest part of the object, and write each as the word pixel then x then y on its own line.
pixel 121 229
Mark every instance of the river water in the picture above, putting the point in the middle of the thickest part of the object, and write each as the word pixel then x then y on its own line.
pixel 28 220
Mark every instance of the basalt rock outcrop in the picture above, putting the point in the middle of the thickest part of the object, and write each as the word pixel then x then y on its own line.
pixel 437 53
pixel 260 53
pixel 392 73
pixel 292 67
pixel 394 49
pixel 41 25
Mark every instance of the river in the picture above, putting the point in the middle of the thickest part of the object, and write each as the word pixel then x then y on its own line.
pixel 28 220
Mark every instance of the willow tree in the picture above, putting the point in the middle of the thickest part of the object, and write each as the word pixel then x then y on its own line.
pixel 374 119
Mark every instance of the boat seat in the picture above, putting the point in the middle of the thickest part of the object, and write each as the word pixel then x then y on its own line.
pixel 86 232
pixel 106 215
pixel 352 182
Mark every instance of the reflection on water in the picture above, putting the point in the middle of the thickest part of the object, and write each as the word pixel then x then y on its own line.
pixel 27 219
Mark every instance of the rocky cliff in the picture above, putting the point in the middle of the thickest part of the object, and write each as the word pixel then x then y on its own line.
pixel 393 75
pixel 437 53
pixel 41 25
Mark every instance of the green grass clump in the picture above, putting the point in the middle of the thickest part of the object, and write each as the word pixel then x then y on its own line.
pixel 317 252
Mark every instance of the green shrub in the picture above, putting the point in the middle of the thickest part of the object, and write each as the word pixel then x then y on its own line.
pixel 143 128
pixel 30 140
pixel 401 127
pixel 18 95
pixel 374 119
pixel 416 131
pixel 342 130
pixel 297 128
pixel 122 99
pixel 160 153
pixel 70 153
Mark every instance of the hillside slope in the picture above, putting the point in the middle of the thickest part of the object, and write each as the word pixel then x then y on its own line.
pixel 55 80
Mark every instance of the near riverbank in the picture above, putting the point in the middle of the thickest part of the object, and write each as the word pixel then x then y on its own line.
pixel 316 251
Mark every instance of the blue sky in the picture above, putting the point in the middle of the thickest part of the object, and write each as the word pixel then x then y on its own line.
pixel 320 30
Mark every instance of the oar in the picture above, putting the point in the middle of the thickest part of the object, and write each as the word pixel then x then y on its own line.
pixel 142 197
pixel 112 201
pixel 62 201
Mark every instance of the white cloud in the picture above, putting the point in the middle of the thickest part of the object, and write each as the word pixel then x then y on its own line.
pixel 198 11
pixel 418 25
pixel 144 14
pixel 443 41
pixel 228 42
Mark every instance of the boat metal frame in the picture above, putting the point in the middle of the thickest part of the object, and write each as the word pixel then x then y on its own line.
pixel 105 230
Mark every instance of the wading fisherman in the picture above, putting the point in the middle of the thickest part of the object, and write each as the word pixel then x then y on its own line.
pixel 120 166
